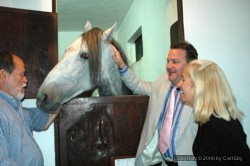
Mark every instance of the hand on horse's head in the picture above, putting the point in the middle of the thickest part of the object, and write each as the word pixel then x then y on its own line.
pixel 117 58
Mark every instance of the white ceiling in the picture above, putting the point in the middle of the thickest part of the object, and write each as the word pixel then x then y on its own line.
pixel 73 14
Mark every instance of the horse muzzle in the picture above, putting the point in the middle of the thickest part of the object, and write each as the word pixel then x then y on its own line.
pixel 47 105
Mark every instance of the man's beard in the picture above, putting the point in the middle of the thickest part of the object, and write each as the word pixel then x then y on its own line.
pixel 20 96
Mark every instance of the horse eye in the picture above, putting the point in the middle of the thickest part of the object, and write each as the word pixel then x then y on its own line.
pixel 84 55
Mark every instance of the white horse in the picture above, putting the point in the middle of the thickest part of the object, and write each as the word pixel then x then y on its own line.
pixel 87 64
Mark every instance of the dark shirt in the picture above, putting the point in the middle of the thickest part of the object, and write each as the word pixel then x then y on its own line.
pixel 221 142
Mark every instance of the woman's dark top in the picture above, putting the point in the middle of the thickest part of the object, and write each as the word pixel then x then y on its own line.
pixel 221 142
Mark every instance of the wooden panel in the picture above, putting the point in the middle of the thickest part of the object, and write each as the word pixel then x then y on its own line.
pixel 92 130
pixel 33 36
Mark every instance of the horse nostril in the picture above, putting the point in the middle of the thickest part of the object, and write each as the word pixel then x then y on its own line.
pixel 43 97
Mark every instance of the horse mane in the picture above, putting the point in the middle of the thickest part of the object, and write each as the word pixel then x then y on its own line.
pixel 92 39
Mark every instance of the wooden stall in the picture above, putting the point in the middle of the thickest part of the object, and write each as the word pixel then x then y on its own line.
pixel 91 131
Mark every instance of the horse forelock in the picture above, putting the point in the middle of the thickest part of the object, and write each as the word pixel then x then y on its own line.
pixel 92 39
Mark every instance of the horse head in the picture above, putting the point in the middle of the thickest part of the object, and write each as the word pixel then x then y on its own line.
pixel 87 64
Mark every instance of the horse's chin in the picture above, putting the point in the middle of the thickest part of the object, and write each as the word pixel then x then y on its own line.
pixel 53 109
pixel 57 109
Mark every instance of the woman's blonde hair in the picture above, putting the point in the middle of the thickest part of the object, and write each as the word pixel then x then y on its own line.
pixel 213 95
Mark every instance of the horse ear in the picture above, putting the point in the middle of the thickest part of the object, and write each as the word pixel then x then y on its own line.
pixel 108 33
pixel 87 26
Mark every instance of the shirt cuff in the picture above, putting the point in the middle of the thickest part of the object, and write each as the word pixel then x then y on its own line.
pixel 123 71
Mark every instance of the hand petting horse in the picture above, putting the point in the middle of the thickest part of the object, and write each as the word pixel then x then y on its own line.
pixel 87 64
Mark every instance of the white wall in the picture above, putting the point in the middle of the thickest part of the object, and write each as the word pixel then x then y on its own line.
pixel 40 5
pixel 45 139
pixel 65 39
pixel 220 30
pixel 155 19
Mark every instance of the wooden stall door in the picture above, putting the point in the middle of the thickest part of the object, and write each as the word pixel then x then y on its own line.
pixel 32 35
pixel 90 131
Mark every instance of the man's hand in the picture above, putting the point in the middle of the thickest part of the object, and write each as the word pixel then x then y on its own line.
pixel 117 58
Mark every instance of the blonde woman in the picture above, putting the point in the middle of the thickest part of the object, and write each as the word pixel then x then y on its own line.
pixel 220 139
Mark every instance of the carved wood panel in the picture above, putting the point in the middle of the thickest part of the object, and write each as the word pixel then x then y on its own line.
pixel 92 130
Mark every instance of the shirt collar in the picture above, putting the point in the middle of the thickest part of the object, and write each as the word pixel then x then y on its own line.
pixel 8 98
